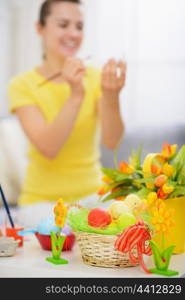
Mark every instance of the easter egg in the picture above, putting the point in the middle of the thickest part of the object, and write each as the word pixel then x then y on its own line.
pixel 118 208
pixel 126 220
pixel 133 201
pixel 99 218
pixel 47 225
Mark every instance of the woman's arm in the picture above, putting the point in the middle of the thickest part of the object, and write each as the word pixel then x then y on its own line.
pixel 49 138
pixel 112 126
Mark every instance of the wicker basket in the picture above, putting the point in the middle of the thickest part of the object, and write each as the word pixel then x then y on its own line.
pixel 98 250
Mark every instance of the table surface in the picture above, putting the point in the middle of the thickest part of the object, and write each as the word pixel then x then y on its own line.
pixel 29 262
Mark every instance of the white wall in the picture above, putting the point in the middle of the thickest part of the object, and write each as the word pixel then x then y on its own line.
pixel 161 72
pixel 149 33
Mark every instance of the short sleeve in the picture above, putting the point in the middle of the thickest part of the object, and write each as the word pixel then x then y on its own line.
pixel 19 94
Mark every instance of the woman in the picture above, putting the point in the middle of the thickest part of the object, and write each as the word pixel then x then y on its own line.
pixel 64 116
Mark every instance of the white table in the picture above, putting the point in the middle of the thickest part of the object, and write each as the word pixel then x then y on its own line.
pixel 29 262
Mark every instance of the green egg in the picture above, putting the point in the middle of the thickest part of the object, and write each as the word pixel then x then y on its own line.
pixel 112 226
pixel 112 229
pixel 125 220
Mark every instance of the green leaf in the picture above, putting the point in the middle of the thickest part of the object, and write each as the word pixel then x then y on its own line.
pixel 167 255
pixel 181 176
pixel 116 153
pixel 161 259
pixel 135 158
pixel 54 244
pixel 179 191
pixel 111 173
pixel 119 193
pixel 122 176
pixel 156 255
pixel 142 193
pixel 179 163
pixel 149 179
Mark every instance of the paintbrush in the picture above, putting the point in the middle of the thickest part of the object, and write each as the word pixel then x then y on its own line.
pixel 56 75
pixel 6 207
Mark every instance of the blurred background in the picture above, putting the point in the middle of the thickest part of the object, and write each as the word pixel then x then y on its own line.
pixel 148 34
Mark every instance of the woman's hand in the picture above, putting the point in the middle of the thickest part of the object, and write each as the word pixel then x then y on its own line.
pixel 73 72
pixel 113 78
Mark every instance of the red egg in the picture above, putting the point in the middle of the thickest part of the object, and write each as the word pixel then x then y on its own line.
pixel 99 218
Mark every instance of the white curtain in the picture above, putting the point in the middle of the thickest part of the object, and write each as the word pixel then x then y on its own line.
pixel 148 33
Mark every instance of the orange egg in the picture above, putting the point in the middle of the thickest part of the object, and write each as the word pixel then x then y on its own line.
pixel 99 218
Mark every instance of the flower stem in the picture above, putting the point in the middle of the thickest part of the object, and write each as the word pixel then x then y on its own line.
pixel 116 154
pixel 162 242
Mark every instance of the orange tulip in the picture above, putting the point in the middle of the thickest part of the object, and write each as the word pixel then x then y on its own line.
pixel 155 170
pixel 168 150
pixel 161 194
pixel 120 198
pixel 160 180
pixel 126 168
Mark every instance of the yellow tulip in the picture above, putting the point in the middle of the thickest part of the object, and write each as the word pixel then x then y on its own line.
pixel 59 221
pixel 106 179
pixel 103 189
pixel 167 189
pixel 168 170
pixel 60 211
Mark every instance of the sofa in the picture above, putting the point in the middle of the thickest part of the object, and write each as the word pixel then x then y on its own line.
pixel 13 160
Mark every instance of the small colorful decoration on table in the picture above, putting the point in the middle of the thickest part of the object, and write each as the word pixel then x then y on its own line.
pixel 45 240
pixel 11 231
pixel 14 232
pixel 43 230
pixel 57 239
pixel 162 224
pixel 8 246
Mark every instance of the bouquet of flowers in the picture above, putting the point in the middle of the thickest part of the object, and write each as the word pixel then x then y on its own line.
pixel 127 178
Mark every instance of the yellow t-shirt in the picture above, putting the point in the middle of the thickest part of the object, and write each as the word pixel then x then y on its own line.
pixel 76 171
